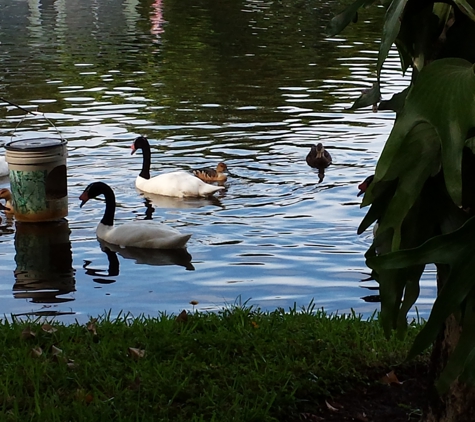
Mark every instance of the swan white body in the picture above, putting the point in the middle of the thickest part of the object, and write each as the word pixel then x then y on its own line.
pixel 3 167
pixel 146 234
pixel 177 183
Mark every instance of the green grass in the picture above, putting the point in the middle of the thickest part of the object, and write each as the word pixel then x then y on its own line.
pixel 240 364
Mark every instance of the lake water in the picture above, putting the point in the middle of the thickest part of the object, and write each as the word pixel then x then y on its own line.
pixel 252 83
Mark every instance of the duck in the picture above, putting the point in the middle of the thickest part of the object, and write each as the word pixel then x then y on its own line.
pixel 212 175
pixel 177 183
pixel 7 195
pixel 3 167
pixel 147 234
pixel 318 157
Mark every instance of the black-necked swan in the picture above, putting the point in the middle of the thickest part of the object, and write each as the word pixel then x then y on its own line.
pixel 212 175
pixel 365 184
pixel 318 157
pixel 147 234
pixel 177 183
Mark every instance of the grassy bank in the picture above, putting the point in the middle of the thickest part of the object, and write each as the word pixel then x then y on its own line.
pixel 240 364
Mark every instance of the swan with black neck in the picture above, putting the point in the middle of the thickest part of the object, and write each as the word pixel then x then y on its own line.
pixel 177 183
pixel 146 234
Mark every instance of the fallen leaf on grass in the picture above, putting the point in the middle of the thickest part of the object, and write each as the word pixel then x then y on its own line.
pixel 182 317
pixel 55 351
pixel 390 378
pixel 48 328
pixel 36 352
pixel 330 407
pixel 81 395
pixel 27 333
pixel 136 353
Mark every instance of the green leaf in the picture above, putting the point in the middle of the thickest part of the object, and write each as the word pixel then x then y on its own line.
pixel 456 250
pixel 343 19
pixel 466 8
pixel 391 27
pixel 431 131
pixel 369 97
pixel 395 103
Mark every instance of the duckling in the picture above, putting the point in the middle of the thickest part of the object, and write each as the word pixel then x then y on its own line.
pixel 212 175
pixel 7 195
pixel 318 157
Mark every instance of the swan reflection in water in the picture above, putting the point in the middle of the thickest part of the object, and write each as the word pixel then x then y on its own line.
pixel 157 257
pixel 44 271
pixel 161 201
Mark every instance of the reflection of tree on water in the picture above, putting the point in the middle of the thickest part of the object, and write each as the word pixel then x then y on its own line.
pixel 43 259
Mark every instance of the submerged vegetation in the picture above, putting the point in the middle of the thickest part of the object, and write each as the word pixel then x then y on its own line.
pixel 240 364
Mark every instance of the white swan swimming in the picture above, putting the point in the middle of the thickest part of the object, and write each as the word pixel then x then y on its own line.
pixel 177 183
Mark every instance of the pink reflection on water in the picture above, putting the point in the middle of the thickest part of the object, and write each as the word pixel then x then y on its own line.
pixel 156 18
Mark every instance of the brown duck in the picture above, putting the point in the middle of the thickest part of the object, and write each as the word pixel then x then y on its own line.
pixel 7 195
pixel 212 175
pixel 318 157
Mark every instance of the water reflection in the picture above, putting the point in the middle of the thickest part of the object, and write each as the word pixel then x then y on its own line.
pixel 44 271
pixel 112 270
pixel 156 257
pixel 180 257
pixel 161 201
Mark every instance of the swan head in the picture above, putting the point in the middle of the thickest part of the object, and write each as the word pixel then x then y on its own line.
pixel 139 143
pixel 92 191
pixel 365 184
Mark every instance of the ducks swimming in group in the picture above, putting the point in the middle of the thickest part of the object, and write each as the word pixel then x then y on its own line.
pixel 212 175
pixel 177 183
pixel 147 234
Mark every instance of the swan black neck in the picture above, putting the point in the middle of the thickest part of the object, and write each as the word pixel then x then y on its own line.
pixel 100 188
pixel 108 218
pixel 142 143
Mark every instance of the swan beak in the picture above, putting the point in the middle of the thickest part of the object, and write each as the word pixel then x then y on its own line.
pixel 84 198
pixel 133 149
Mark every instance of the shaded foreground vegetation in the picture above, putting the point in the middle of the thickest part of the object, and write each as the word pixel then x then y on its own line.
pixel 240 364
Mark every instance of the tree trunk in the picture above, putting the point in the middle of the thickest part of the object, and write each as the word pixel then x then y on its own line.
pixel 458 404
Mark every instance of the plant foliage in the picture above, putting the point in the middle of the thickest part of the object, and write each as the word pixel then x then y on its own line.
pixel 422 196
